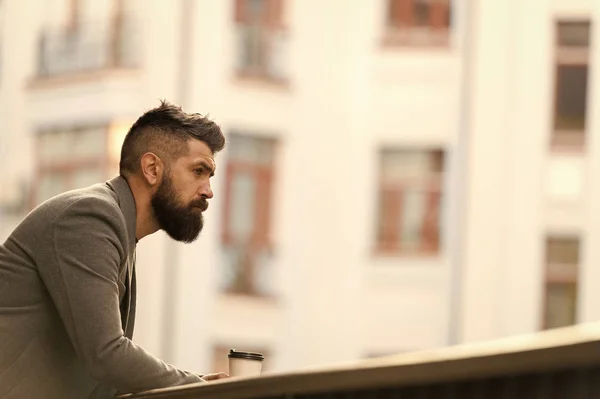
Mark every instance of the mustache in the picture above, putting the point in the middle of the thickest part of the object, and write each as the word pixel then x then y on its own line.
pixel 202 204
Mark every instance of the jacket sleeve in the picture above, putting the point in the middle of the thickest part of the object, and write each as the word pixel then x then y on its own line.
pixel 80 269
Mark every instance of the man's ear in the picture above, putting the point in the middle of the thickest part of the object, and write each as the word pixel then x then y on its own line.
pixel 152 168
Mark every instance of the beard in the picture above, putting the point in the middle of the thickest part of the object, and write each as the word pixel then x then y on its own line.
pixel 181 222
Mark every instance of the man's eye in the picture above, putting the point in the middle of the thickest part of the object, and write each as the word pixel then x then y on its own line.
pixel 199 171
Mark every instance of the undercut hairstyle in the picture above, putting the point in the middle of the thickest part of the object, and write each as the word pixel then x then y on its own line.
pixel 165 131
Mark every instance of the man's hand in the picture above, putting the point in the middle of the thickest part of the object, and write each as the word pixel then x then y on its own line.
pixel 214 376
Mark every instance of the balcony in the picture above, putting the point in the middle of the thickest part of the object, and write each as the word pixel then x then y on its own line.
pixel 96 63
pixel 560 363
pixel 89 47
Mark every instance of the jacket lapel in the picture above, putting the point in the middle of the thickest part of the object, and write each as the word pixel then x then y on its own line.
pixel 127 204
pixel 132 302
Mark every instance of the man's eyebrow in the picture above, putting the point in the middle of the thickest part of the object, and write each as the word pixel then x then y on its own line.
pixel 206 166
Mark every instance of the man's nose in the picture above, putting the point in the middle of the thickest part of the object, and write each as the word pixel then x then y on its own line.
pixel 206 191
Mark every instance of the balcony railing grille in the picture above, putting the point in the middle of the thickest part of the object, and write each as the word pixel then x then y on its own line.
pixel 88 47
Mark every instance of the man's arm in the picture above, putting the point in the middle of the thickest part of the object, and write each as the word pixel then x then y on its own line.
pixel 80 269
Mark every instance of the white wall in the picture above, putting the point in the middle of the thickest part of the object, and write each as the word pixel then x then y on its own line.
pixel 346 97
pixel 589 302
pixel 18 59
pixel 485 224
pixel 511 209
pixel 528 131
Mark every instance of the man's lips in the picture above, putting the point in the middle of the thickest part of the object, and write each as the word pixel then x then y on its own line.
pixel 201 205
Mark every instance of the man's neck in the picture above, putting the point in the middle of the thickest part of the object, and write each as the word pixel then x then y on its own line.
pixel 145 223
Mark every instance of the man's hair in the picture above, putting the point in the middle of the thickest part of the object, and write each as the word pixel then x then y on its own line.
pixel 165 131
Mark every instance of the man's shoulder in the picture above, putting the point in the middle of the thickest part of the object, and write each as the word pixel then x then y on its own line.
pixel 89 206
pixel 95 199
pixel 83 210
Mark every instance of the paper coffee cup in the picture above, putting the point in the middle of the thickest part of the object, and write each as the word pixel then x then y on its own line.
pixel 245 364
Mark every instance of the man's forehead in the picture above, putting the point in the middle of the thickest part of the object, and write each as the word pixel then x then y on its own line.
pixel 199 151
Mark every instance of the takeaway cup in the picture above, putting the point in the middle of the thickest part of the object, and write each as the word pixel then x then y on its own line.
pixel 245 364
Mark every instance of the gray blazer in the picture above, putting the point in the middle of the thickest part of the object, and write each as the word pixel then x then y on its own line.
pixel 67 301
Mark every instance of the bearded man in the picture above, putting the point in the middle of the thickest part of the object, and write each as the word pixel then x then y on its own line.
pixel 67 272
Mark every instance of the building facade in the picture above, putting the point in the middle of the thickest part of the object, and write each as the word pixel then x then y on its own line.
pixel 399 174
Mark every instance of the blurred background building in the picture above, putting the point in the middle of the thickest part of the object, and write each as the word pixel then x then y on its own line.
pixel 399 175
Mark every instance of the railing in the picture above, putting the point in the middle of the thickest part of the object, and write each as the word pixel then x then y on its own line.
pixel 248 270
pixel 261 53
pixel 417 37
pixel 89 47
pixel 556 364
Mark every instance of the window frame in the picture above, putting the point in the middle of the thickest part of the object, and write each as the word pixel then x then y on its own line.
pixel 401 30
pixel 552 276
pixel 569 140
pixel 269 25
pixel 260 240
pixel 67 166
pixel 387 232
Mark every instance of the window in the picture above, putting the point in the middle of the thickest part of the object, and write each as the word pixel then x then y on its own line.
pixel 246 235
pixel 560 299
pixel 69 159
pixel 572 60
pixel 261 41
pixel 409 201
pixel 417 22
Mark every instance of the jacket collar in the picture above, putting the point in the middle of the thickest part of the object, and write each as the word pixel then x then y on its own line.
pixel 127 204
